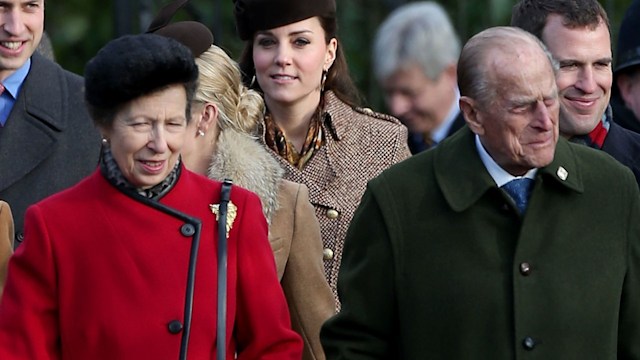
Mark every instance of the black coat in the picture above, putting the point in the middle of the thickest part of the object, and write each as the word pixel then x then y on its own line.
pixel 416 141
pixel 622 115
pixel 624 146
pixel 49 142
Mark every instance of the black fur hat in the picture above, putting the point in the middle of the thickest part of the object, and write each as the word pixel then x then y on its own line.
pixel 257 15
pixel 135 65
pixel 628 53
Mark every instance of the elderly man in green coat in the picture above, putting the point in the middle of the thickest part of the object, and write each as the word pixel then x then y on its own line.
pixel 445 260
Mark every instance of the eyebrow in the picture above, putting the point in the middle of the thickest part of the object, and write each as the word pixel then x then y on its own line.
pixel 293 33
pixel 576 61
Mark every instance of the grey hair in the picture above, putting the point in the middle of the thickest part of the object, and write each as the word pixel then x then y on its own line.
pixel 417 33
pixel 472 67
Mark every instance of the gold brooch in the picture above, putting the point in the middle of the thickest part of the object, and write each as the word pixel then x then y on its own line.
pixel 232 211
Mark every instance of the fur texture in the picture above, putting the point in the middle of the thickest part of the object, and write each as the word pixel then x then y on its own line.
pixel 242 159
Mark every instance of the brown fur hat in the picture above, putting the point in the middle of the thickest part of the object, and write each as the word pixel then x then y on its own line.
pixel 257 15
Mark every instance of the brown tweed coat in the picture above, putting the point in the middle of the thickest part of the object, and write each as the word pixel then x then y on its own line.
pixel 6 240
pixel 360 145
pixel 294 232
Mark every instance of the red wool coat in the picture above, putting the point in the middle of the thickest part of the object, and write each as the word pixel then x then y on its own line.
pixel 101 275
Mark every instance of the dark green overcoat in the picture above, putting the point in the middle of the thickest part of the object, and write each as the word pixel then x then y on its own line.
pixel 439 265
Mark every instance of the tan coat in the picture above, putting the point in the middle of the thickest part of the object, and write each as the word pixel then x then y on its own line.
pixel 360 145
pixel 294 232
pixel 6 240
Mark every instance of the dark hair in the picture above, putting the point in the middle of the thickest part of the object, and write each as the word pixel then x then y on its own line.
pixel 338 79
pixel 531 15
pixel 133 66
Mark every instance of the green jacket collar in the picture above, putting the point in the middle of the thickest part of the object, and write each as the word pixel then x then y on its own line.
pixel 463 179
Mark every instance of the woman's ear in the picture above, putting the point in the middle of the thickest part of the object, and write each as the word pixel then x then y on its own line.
pixel 332 50
pixel 208 117
pixel 474 121
pixel 105 133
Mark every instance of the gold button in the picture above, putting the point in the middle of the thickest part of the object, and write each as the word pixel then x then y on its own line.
pixel 327 254
pixel 332 214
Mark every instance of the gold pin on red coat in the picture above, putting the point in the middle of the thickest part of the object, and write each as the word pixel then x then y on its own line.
pixel 232 211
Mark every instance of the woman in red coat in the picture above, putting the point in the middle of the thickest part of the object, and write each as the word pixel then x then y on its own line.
pixel 124 264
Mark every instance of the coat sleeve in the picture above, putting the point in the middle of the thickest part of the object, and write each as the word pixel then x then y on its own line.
pixel 6 241
pixel 366 326
pixel 308 294
pixel 629 331
pixel 263 328
pixel 402 149
pixel 29 326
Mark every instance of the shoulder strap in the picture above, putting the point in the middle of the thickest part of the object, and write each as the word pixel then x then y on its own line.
pixel 225 195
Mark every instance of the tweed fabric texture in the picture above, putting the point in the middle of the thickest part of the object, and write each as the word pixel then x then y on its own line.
pixel 360 144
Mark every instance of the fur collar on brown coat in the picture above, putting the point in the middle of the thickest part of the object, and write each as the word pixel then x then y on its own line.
pixel 244 160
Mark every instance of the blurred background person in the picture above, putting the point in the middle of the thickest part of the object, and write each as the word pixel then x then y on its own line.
pixel 625 98
pixel 108 267
pixel 415 54
pixel 47 140
pixel 6 241
pixel 312 124
pixel 576 32
pixel 222 143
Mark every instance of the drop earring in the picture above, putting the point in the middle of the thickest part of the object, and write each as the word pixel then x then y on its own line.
pixel 200 132
pixel 324 79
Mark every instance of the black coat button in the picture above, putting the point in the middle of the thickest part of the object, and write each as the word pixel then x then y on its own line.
pixel 187 230
pixel 528 343
pixel 20 237
pixel 525 268
pixel 175 326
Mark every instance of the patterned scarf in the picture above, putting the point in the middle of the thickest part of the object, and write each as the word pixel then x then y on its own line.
pixel 276 140
pixel 595 139
pixel 110 170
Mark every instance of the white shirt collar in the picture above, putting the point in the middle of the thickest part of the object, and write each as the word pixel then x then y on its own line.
pixel 440 132
pixel 499 175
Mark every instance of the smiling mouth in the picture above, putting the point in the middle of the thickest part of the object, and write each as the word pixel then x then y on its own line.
pixel 152 165
pixel 582 102
pixel 283 77
pixel 13 45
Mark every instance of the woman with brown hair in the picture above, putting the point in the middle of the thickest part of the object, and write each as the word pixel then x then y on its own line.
pixel 312 125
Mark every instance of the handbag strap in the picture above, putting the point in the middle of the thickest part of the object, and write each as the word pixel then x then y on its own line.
pixel 225 195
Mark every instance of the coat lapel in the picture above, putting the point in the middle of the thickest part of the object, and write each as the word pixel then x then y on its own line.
pixel 460 173
pixel 564 169
pixel 463 179
pixel 328 164
pixel 34 123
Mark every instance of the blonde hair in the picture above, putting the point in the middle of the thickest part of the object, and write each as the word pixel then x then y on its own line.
pixel 220 82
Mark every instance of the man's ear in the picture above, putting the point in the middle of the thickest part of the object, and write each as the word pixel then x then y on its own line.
pixel 471 116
